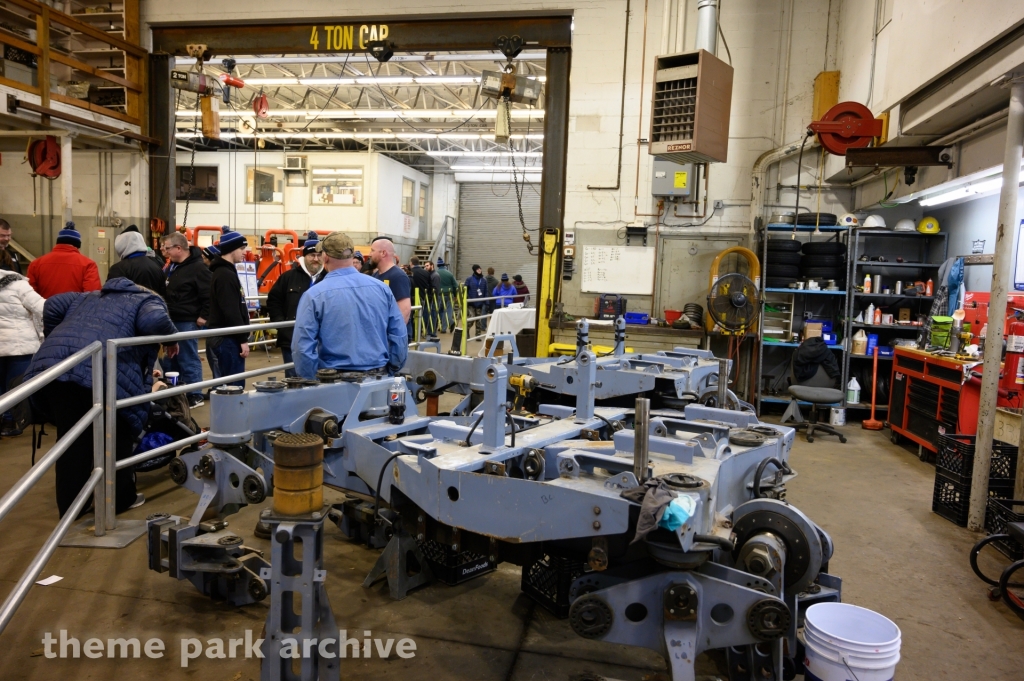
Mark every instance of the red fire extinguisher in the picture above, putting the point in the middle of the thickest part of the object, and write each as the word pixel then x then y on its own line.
pixel 1013 368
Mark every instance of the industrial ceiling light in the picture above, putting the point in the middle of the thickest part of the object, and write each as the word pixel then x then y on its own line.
pixel 538 56
pixel 327 81
pixel 967 191
pixel 384 80
pixel 496 169
pixel 484 154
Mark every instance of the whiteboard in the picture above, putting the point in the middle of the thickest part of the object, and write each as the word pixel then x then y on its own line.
pixel 618 269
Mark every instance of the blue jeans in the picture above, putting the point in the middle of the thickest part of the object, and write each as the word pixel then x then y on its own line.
pixel 286 357
pixel 229 359
pixel 448 321
pixel 187 363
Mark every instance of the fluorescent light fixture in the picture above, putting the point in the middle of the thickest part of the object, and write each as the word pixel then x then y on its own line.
pixel 496 169
pixel 485 154
pixel 381 114
pixel 503 178
pixel 965 192
pixel 337 171
pixel 326 134
pixel 384 80
pixel 271 81
pixel 446 80
pixel 326 81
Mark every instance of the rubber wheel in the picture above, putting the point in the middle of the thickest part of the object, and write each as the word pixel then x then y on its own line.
pixel 825 248
pixel 810 439
pixel 784 245
pixel 823 261
pixel 894 438
pixel 823 272
pixel 779 282
pixel 822 219
pixel 1010 598
pixel 785 271
pixel 783 258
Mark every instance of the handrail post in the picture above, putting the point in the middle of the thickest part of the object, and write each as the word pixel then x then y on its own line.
pixel 98 453
pixel 465 315
pixel 110 435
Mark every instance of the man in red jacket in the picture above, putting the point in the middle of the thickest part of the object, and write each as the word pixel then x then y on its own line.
pixel 64 269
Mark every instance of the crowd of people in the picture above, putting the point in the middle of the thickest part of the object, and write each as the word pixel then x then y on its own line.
pixel 352 312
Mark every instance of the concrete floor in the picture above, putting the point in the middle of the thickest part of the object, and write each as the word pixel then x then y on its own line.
pixel 894 555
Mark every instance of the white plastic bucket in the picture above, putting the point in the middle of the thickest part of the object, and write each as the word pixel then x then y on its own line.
pixel 846 642
pixel 838 417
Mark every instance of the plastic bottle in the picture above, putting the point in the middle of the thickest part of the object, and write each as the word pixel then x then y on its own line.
pixel 867 283
pixel 869 316
pixel 929 288
pixel 878 316
pixel 853 392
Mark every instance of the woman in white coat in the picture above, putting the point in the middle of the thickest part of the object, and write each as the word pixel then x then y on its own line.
pixel 21 331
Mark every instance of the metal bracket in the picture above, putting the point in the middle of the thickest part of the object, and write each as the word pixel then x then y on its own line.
pixel 638 232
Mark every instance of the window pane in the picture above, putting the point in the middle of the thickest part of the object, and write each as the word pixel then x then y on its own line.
pixel 266 183
pixel 202 188
pixel 337 186
pixel 408 196
pixel 423 203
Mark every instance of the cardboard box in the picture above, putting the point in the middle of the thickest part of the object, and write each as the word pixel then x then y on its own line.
pixel 812 330
pixel 904 314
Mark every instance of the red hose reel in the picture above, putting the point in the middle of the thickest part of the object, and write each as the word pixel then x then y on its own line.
pixel 847 125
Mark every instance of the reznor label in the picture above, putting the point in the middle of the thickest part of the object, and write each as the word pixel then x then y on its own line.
pixel 680 147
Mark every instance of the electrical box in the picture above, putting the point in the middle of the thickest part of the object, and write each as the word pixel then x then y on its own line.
pixel 690 112
pixel 672 180
pixel 97 243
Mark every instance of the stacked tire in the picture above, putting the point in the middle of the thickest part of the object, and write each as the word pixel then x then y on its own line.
pixel 782 266
pixel 824 260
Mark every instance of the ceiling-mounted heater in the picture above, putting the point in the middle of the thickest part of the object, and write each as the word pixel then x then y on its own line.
pixel 690 113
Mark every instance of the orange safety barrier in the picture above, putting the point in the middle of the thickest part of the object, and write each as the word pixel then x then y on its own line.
pixel 194 239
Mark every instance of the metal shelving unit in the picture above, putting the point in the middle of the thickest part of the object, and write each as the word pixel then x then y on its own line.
pixel 924 253
pixel 800 298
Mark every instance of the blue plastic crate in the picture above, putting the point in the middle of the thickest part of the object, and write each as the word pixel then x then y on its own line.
pixel 637 318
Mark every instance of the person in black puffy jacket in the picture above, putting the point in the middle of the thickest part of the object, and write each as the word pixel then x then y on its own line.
pixel 134 264
pixel 71 321
pixel 227 307
pixel 283 299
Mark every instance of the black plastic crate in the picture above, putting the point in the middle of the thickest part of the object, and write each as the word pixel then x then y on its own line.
pixel 997 515
pixel 956 458
pixel 454 567
pixel 548 580
pixel 951 498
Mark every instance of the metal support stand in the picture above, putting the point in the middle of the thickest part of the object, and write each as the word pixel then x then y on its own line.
pixel 495 400
pixel 83 534
pixel 297 584
pixel 403 574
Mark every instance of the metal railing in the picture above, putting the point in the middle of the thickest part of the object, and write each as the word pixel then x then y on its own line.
pixel 112 404
pixel 445 242
pixel 94 418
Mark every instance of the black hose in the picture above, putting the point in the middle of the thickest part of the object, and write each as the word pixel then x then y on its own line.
pixel 608 423
pixel 724 542
pixel 380 481
pixel 473 429
pixel 512 422
pixel 760 471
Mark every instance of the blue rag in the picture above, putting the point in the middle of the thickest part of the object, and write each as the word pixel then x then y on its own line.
pixel 678 511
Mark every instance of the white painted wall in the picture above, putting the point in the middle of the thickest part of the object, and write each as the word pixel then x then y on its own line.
pixel 380 212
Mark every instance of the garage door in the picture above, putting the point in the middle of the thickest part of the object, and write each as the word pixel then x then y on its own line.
pixel 490 234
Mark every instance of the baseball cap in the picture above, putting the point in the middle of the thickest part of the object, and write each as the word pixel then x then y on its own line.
pixel 336 245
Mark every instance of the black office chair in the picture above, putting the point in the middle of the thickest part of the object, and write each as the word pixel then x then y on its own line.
pixel 820 390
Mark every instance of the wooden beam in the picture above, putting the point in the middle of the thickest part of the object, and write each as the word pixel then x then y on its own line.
pixel 93 71
pixel 43 62
pixel 46 111
pixel 18 85
pixel 95 108
pixel 74 24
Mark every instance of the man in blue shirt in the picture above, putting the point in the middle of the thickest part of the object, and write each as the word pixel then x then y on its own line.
pixel 348 321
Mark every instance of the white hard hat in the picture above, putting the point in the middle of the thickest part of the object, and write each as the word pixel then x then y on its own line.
pixel 848 220
pixel 905 225
pixel 874 221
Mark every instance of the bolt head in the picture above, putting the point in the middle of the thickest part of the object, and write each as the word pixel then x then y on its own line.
pixel 316 515
pixel 455 547
pixel 265 513
pixel 419 537
pixel 419 519
pixel 597 510
pixel 597 525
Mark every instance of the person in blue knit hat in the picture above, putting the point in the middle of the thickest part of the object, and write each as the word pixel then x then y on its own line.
pixel 64 269
pixel 227 306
